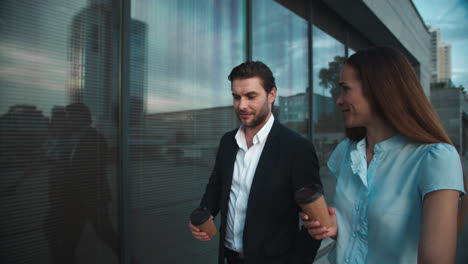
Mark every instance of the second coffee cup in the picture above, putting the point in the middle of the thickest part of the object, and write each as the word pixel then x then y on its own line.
pixel 310 198
pixel 201 218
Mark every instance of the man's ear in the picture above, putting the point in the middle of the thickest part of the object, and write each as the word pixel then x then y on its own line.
pixel 272 96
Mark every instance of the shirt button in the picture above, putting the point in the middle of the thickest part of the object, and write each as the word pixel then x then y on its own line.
pixel 354 234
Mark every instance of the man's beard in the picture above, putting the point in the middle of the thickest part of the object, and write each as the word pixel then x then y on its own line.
pixel 259 119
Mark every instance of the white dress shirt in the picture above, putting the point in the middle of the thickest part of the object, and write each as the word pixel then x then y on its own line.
pixel 244 171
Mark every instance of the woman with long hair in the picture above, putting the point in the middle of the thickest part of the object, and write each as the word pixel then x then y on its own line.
pixel 399 177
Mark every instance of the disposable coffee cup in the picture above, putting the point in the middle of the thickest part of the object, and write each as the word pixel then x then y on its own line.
pixel 201 218
pixel 310 198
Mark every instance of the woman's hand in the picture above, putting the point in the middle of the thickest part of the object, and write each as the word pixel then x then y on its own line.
pixel 197 233
pixel 316 230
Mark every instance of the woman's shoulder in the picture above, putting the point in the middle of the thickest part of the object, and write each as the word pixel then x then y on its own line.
pixel 440 168
pixel 342 148
pixel 344 145
pixel 441 148
pixel 441 152
pixel 437 151
pixel 338 156
pixel 424 150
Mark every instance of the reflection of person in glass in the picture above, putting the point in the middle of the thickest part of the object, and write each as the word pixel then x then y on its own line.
pixel 257 170
pixel 79 190
pixel 399 178
pixel 23 133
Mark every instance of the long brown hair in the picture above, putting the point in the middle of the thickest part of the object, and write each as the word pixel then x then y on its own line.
pixel 393 90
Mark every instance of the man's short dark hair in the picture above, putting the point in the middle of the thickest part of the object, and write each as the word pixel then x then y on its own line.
pixel 252 69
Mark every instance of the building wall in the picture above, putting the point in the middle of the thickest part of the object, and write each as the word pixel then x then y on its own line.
pixel 449 106
pixel 387 22
pixel 404 22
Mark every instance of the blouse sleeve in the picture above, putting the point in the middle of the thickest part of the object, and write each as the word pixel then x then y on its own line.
pixel 335 162
pixel 441 169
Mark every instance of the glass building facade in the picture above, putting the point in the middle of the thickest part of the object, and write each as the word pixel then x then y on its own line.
pixel 111 113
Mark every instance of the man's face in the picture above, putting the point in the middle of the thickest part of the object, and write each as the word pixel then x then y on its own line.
pixel 251 102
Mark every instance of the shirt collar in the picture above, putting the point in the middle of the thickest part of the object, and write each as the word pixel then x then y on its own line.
pixel 260 137
pixel 385 145
pixel 358 156
pixel 358 161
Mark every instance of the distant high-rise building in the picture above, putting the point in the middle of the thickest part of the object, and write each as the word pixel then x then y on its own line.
pixel 91 51
pixel 435 39
pixel 90 54
pixel 445 62
pixel 441 62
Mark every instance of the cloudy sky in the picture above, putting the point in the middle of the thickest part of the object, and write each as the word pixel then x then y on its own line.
pixel 451 16
pixel 34 68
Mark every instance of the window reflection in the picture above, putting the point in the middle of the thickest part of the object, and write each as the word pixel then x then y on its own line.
pixel 328 57
pixel 190 46
pixel 79 191
pixel 59 117
pixel 58 132
pixel 280 40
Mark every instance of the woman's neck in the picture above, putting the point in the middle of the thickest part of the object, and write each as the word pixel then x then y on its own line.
pixel 377 132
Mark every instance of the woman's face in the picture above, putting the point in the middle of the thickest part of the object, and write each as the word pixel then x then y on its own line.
pixel 351 101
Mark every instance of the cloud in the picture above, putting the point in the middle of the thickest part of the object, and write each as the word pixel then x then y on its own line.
pixel 158 104
pixel 31 78
pixel 169 94
pixel 460 76
pixel 23 52
pixel 325 42
pixel 32 68
pixel 455 34
pixel 453 10
pixel 460 70
pixel 451 17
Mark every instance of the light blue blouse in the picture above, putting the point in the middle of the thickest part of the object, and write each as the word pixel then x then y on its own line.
pixel 379 208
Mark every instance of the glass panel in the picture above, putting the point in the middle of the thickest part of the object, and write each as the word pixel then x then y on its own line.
pixel 328 128
pixel 181 55
pixel 280 40
pixel 58 132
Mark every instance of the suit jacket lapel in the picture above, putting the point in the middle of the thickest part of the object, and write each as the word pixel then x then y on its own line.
pixel 230 150
pixel 231 153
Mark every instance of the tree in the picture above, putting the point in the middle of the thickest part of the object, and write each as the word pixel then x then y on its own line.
pixel 330 77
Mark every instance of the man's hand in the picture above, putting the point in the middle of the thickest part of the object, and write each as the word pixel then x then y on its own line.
pixel 197 234
pixel 316 230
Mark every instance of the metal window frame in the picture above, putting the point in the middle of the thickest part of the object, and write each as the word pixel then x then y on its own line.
pixel 124 118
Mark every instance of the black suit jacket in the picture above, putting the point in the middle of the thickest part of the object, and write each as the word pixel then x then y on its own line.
pixel 271 232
